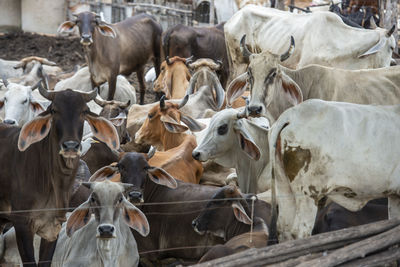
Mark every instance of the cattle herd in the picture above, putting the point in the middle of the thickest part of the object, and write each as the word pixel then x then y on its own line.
pixel 269 127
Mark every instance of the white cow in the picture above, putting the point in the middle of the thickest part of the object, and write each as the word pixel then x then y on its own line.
pixel 81 81
pixel 346 152
pixel 104 239
pixel 321 37
pixel 236 142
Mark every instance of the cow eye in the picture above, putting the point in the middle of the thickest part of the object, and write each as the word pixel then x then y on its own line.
pixel 151 115
pixel 92 199
pixel 25 101
pixel 120 199
pixel 223 129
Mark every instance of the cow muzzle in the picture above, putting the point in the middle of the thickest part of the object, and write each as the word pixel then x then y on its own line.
pixel 135 197
pixel 195 227
pixel 11 122
pixel 70 150
pixel 106 231
pixel 255 110
pixel 86 39
pixel 200 155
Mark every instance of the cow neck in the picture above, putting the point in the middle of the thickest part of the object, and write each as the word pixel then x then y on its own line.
pixel 237 228
pixel 172 140
pixel 150 190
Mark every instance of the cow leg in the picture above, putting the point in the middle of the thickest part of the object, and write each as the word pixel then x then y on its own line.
pixel 142 86
pixel 26 250
pixel 306 212
pixel 112 84
pixel 46 252
pixel 394 206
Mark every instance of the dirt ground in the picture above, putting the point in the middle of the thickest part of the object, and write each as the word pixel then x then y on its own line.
pixel 65 51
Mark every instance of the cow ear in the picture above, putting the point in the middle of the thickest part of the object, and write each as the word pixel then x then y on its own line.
pixel 1 103
pixel 34 131
pixel 161 177
pixel 36 107
pixel 119 120
pixel 107 31
pixel 172 125
pixel 104 131
pixel 246 142
pixel 106 173
pixel 193 125
pixel 135 219
pixel 291 90
pixel 66 27
pixel 236 88
pixel 78 218
pixel 240 213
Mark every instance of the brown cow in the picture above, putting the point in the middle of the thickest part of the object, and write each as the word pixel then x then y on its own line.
pixel 355 5
pixel 234 226
pixel 157 186
pixel 163 128
pixel 120 48
pixel 39 163
pixel 173 79
pixel 199 42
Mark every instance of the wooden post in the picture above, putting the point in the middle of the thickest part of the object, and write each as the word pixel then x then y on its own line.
pixel 212 12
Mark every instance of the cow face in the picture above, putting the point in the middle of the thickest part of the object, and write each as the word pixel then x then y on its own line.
pixel 225 132
pixel 225 206
pixel 172 69
pixel 108 203
pixel 164 118
pixel 19 104
pixel 116 112
pixel 65 117
pixel 89 24
pixel 268 83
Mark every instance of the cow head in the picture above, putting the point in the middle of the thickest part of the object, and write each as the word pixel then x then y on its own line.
pixel 109 205
pixel 163 119
pixel 116 112
pixel 64 120
pixel 267 81
pixel 227 131
pixel 226 205
pixel 19 104
pixel 89 24
pixel 173 69
pixel 133 168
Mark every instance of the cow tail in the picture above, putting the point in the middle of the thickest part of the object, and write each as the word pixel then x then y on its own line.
pixel 165 43
pixel 275 157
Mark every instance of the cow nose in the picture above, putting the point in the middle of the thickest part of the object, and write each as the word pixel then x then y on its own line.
pixel 71 146
pixel 196 155
pixel 106 231
pixel 135 196
pixel 11 122
pixel 194 223
pixel 255 110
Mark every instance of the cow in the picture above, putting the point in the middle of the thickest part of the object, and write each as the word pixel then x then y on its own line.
pixel 109 48
pixel 199 42
pixel 342 46
pixel 163 128
pixel 99 154
pixel 173 79
pixel 81 81
pixel 233 141
pixel 355 5
pixel 228 215
pixel 100 240
pixel 19 103
pixel 186 202
pixel 278 88
pixel 362 18
pixel 308 165
pixel 204 73
pixel 46 150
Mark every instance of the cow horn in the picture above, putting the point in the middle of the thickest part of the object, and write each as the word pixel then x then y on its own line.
pixel 151 152
pixel 46 94
pixel 245 52
pixel 391 31
pixel 90 95
pixel 189 60
pixel 242 114
pixel 183 102
pixel 162 102
pixel 5 82
pixel 219 91
pixel 289 52
pixel 167 60
pixel 45 61
pixel 192 83
pixel 100 102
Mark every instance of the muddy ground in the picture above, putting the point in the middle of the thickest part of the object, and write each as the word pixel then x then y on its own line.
pixel 65 51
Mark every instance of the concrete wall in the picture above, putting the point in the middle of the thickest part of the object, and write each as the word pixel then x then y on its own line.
pixel 10 15
pixel 43 16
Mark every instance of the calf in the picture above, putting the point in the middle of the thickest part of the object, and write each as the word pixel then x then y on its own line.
pixel 234 226
pixel 47 151
pixel 110 50
pixel 187 200
pixel 173 79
